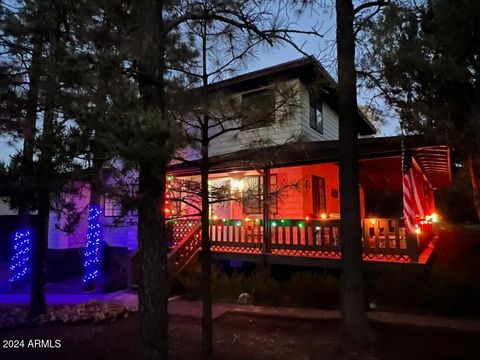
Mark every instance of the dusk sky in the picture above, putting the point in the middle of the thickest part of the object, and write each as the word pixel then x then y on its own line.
pixel 323 48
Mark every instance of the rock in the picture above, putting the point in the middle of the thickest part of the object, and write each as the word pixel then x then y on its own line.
pixel 244 299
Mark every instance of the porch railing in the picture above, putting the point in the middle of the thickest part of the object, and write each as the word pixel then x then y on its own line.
pixel 382 239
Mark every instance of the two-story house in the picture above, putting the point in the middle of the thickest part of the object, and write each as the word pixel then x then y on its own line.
pixel 280 182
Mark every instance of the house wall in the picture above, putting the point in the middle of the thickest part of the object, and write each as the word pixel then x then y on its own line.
pixel 285 129
pixel 121 236
pixel 293 124
pixel 59 239
pixel 5 208
pixel 290 201
pixel 295 199
pixel 330 119
pixel 330 173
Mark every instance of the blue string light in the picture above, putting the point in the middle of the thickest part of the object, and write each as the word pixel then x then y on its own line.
pixel 92 248
pixel 20 261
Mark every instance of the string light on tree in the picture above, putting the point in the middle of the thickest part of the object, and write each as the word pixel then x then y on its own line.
pixel 92 248
pixel 19 263
pixel 168 209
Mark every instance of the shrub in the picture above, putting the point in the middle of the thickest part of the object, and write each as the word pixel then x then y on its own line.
pixel 300 289
pixel 312 289
pixel 264 290
pixel 190 281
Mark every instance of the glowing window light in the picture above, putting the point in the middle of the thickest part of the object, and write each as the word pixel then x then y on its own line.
pixel 20 261
pixel 237 184
pixel 92 248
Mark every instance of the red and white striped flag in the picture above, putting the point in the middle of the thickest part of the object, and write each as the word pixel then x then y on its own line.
pixel 412 203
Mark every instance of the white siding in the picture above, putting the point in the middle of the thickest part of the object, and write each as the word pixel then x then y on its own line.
pixel 294 127
pixel 58 239
pixel 279 133
pixel 330 120
pixel 5 208
pixel 124 235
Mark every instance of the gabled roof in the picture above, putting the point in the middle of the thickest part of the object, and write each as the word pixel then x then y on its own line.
pixel 307 69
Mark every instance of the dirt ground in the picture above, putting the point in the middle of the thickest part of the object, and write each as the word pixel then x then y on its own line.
pixel 240 337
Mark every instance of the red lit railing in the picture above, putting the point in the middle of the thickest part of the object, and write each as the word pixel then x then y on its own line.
pixel 382 239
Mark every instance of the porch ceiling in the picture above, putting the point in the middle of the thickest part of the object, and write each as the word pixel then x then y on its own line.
pixel 434 159
pixel 435 163
pixel 383 174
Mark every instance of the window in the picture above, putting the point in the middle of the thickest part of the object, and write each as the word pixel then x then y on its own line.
pixel 274 189
pixel 316 116
pixel 111 207
pixel 134 195
pixel 258 108
pixel 252 195
pixel 319 196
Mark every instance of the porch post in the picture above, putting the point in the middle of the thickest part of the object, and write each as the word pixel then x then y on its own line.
pixel 412 245
pixel 266 210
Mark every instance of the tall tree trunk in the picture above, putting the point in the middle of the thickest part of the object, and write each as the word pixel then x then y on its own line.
pixel 153 250
pixel 152 230
pixel 39 256
pixel 207 328
pixel 473 173
pixel 95 197
pixel 44 175
pixel 207 331
pixel 28 133
pixel 355 327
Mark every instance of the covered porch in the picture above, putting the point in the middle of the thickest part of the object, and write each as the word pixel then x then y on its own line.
pixel 298 221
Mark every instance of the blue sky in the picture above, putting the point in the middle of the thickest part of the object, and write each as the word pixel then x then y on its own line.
pixel 323 48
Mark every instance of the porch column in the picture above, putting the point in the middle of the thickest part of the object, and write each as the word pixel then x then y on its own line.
pixel 266 210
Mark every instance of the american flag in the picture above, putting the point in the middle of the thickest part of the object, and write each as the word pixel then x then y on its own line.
pixel 412 185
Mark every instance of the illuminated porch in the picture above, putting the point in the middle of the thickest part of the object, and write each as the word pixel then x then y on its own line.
pixel 299 229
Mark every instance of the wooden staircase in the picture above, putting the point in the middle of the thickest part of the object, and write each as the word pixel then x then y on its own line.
pixel 184 250
pixel 186 241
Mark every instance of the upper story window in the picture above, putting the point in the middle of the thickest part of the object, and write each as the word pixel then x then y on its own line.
pixel 258 108
pixel 316 116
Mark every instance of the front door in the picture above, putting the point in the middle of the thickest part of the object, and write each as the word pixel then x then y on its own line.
pixel 318 196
